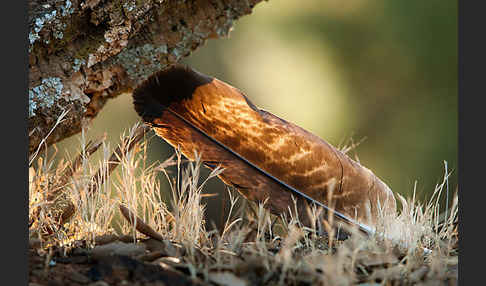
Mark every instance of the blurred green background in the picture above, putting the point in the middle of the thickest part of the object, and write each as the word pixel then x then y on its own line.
pixel 385 71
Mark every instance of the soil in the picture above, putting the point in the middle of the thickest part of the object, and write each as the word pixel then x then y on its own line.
pixel 118 261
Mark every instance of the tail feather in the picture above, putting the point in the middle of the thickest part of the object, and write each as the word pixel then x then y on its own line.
pixel 263 156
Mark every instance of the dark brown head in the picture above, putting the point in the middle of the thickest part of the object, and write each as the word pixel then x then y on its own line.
pixel 173 84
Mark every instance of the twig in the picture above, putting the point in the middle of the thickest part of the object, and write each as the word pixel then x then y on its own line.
pixel 139 224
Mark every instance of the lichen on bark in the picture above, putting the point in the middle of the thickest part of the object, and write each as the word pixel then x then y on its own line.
pixel 82 53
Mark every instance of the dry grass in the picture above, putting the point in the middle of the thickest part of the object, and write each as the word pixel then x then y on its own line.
pixel 253 245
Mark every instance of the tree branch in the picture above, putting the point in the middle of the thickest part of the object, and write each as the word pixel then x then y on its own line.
pixel 83 52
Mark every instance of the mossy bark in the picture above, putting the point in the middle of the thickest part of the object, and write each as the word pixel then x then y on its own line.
pixel 82 53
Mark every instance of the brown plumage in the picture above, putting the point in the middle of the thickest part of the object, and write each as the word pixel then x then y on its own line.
pixel 263 155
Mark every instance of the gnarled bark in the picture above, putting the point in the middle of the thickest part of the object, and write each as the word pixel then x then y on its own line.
pixel 83 52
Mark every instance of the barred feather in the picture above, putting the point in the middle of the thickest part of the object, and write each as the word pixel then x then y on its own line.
pixel 263 156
